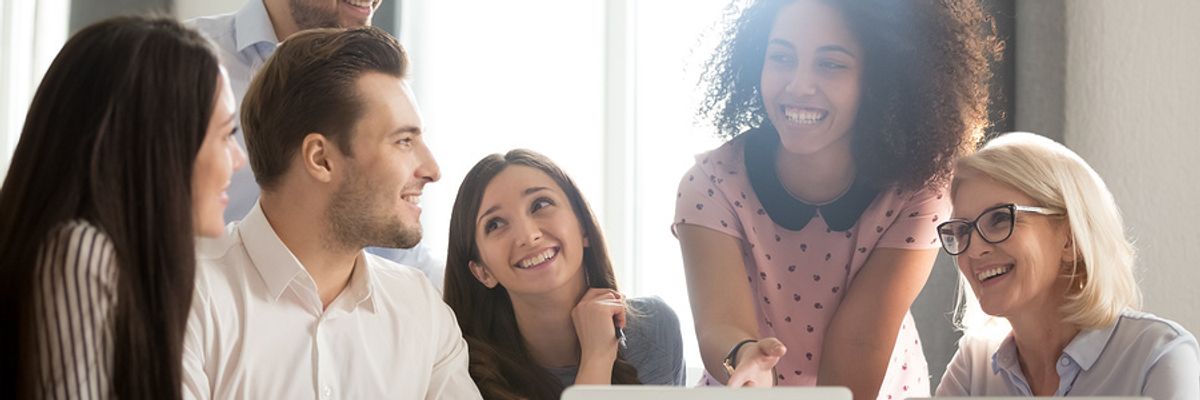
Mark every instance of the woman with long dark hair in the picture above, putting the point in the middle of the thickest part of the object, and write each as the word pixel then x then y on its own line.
pixel 124 158
pixel 529 278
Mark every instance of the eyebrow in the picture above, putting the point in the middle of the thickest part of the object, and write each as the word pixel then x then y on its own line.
pixel 822 49
pixel 994 205
pixel 415 130
pixel 494 208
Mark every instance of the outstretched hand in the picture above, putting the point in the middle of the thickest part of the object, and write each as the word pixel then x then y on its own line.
pixel 756 363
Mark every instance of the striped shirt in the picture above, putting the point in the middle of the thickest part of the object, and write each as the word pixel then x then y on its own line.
pixel 76 290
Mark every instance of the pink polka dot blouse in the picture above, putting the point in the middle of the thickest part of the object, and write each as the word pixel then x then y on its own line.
pixel 799 276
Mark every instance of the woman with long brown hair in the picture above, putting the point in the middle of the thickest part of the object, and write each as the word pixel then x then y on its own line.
pixel 124 158
pixel 529 278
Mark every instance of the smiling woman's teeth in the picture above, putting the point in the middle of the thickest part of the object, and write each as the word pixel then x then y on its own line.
pixel 360 3
pixel 537 258
pixel 994 272
pixel 804 115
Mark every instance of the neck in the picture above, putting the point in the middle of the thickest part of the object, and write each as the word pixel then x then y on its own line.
pixel 1041 336
pixel 819 177
pixel 280 13
pixel 545 323
pixel 330 266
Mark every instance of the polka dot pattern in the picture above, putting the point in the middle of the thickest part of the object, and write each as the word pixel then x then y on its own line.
pixel 799 278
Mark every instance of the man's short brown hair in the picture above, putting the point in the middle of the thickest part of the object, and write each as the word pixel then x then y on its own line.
pixel 309 85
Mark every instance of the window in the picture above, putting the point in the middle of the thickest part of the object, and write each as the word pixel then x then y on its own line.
pixel 600 87
pixel 31 33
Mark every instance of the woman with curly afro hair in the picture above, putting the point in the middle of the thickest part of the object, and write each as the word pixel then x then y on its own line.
pixel 807 236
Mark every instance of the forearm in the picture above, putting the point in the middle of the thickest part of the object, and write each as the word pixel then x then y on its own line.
pixel 857 360
pixel 715 342
pixel 594 371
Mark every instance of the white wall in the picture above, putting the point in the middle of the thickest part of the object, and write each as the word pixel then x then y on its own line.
pixel 1132 99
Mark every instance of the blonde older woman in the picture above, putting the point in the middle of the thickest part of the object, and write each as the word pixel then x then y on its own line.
pixel 1039 239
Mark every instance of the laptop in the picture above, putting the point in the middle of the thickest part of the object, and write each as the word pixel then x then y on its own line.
pixel 1026 398
pixel 648 392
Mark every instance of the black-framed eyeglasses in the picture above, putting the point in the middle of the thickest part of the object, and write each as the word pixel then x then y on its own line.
pixel 994 225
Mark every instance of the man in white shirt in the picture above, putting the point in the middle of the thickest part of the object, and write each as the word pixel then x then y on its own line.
pixel 245 39
pixel 287 304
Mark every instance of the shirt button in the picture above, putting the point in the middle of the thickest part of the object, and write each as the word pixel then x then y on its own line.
pixel 326 392
pixel 1063 361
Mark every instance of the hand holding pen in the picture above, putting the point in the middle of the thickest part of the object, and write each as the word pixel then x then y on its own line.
pixel 597 315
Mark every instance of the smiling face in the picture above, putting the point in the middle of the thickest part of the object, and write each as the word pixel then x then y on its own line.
pixel 218 157
pixel 1023 273
pixel 529 239
pixel 376 203
pixel 811 77
pixel 309 14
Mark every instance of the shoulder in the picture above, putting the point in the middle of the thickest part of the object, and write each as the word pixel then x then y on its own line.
pixel 398 280
pixel 79 232
pixel 215 27
pixel 1137 329
pixel 711 164
pixel 655 342
pixel 652 320
pixel 978 348
pixel 78 243
pixel 652 306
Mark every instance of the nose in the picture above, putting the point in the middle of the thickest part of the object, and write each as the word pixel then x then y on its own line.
pixel 977 247
pixel 428 169
pixel 237 155
pixel 528 232
pixel 803 83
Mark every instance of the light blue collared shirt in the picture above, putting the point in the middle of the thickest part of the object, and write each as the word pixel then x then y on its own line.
pixel 1139 355
pixel 244 40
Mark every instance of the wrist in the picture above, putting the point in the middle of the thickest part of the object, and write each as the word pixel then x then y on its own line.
pixel 735 355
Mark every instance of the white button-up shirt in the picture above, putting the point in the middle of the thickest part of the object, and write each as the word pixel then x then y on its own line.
pixel 258 329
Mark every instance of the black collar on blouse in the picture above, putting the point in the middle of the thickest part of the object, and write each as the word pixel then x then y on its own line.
pixel 784 209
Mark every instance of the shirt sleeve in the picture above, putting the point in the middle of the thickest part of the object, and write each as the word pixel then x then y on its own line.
pixel 656 344
pixel 1176 374
pixel 77 292
pixel 196 385
pixel 450 378
pixel 701 202
pixel 915 228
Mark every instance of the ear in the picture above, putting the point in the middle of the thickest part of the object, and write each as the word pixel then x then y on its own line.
pixel 1069 252
pixel 315 152
pixel 482 275
pixel 586 243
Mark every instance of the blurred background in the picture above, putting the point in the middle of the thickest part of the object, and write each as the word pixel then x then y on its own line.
pixel 609 89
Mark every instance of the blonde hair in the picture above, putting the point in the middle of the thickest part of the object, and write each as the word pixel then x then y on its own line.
pixel 1102 276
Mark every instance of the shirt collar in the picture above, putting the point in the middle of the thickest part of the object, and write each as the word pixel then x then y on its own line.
pixel 362 283
pixel 1084 349
pixel 1005 358
pixel 278 267
pixel 783 208
pixel 275 263
pixel 1087 346
pixel 252 25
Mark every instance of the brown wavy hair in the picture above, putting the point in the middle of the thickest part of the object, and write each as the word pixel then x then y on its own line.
pixel 500 363
pixel 925 86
